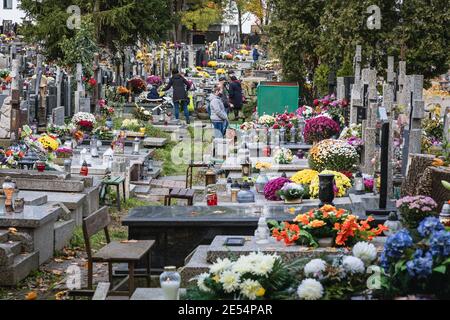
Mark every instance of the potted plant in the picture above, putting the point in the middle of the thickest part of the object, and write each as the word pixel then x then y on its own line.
pixel 414 209
pixel 292 193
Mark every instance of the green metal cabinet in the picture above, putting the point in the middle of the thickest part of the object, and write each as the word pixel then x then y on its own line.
pixel 274 97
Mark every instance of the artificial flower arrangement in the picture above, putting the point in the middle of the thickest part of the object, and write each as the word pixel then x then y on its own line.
pixel 64 152
pixel 292 192
pixel 333 107
pixel 417 261
pixel 137 85
pixel 344 228
pixel 248 125
pixel 49 142
pixel 333 154
pixel 212 64
pixel 90 83
pixel 221 71
pixel 285 120
pixel 43 148
pixel 131 124
pixel 320 128
pixel 103 133
pixel 341 184
pixel 305 112
pixel 337 278
pixel 353 135
pixel 142 114
pixel 10 157
pixel 414 209
pixel 105 110
pixel 263 165
pixel 266 120
pixel 154 80
pixel 4 74
pixel 84 120
pixel 283 156
pixel 273 186
pixel 123 91
pixel 255 276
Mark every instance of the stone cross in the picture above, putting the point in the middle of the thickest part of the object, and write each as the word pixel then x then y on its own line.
pixel 356 92
pixel 447 124
pixel 58 79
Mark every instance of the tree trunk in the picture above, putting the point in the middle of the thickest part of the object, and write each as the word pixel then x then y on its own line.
pixel 239 24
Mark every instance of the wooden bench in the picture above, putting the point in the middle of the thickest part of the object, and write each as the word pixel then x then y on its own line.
pixel 129 252
pixel 179 193
pixel 116 182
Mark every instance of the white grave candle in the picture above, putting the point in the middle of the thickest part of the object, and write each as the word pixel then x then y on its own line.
pixel 170 289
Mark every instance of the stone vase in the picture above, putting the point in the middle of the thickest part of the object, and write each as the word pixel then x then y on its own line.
pixel 293 201
pixel 325 242
pixel 326 192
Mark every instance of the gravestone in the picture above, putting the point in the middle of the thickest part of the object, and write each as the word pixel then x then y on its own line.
pixel 58 116
pixel 84 104
pixel 5 119
pixel 446 133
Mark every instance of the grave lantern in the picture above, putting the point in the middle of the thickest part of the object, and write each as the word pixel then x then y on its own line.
pixel 326 189
pixel 235 188
pixel 10 192
pixel 293 134
pixel 94 147
pixel 282 135
pixel 210 176
pixel 246 167
pixel 444 216
pixel 84 171
pixel 359 183
pixel 136 146
pixel 392 224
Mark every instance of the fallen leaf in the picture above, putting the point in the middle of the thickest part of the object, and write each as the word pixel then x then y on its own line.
pixel 12 230
pixel 57 272
pixel 58 260
pixel 31 295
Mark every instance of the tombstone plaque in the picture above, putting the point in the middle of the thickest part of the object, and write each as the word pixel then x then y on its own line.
pixel 58 116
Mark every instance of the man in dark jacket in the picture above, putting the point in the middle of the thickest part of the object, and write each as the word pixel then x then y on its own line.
pixel 180 87
pixel 235 95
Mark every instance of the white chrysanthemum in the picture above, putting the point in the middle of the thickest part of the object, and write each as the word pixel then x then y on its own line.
pixel 242 267
pixel 315 268
pixel 250 288
pixel 310 289
pixel 220 266
pixel 229 280
pixel 353 264
pixel 365 251
pixel 201 282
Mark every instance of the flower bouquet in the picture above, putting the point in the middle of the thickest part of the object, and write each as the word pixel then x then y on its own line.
pixel 90 83
pixel 320 128
pixel 285 120
pixel 137 85
pixel 266 120
pixel 338 278
pixel 292 193
pixel 415 209
pixel 273 186
pixel 105 110
pixel 283 156
pixel 248 125
pixel 304 176
pixel 339 225
pixel 263 165
pixel 305 112
pixel 123 91
pixel 84 121
pixel 417 261
pixel 333 154
pixel 142 114
pixel 64 152
pixel 154 80
pixel 221 71
pixel 212 64
pixel 10 157
pixel 255 276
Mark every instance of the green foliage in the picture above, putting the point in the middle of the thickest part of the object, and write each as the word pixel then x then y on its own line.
pixel 346 69
pixel 118 23
pixel 201 18
pixel 79 49
pixel 307 31
pixel 321 79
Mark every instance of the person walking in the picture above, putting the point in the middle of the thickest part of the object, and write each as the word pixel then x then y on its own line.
pixel 235 96
pixel 255 53
pixel 218 115
pixel 223 85
pixel 180 97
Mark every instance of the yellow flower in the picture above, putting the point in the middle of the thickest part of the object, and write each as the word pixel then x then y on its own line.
pixel 221 71
pixel 304 176
pixel 291 210
pixel 212 64
pixel 261 291
pixel 48 142
pixel 216 278
pixel 342 182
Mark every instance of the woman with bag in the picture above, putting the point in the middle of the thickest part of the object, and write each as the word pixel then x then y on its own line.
pixel 180 97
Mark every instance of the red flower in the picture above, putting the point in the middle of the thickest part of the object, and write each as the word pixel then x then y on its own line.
pixel 276 126
pixel 92 82
pixel 316 102
pixel 326 102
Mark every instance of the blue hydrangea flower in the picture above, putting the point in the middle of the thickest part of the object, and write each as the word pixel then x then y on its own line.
pixel 422 264
pixel 395 247
pixel 440 243
pixel 429 225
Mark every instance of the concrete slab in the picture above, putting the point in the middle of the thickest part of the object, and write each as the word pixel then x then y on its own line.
pixel 63 233
pixel 33 198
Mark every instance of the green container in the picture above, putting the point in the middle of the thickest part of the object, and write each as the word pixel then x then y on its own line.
pixel 274 97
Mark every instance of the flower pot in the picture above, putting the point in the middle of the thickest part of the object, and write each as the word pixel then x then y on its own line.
pixel 293 201
pixel 325 242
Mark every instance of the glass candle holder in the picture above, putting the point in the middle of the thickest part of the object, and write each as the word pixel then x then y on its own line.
pixel 170 281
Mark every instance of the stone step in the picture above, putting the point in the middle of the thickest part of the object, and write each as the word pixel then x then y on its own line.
pixel 3 235
pixel 22 266
pixel 14 246
pixel 142 189
pixel 196 265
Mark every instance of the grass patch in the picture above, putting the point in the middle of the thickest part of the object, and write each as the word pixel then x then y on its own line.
pixel 168 167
